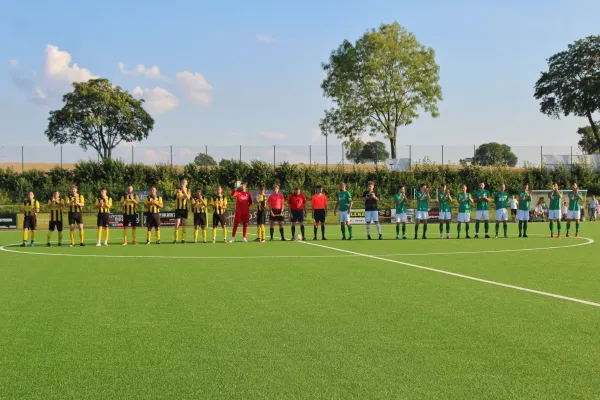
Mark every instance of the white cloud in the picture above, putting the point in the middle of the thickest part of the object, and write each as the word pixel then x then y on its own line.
pixel 58 67
pixel 261 37
pixel 157 100
pixel 13 63
pixel 272 135
pixel 196 89
pixel 140 70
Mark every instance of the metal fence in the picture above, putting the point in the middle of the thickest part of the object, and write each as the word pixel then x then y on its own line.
pixel 28 157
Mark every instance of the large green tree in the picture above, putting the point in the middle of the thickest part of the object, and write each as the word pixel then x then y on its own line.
pixel 572 83
pixel 204 160
pixel 495 154
pixel 354 151
pixel 587 143
pixel 98 115
pixel 380 83
pixel 375 152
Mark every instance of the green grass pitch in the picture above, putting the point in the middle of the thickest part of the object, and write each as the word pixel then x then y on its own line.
pixel 303 321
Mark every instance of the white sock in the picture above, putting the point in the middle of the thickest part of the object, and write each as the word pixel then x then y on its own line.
pixel 369 228
pixel 378 226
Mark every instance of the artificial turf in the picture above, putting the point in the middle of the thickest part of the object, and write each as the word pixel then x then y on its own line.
pixel 295 320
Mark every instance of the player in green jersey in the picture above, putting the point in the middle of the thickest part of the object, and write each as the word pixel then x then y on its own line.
pixel 344 204
pixel 464 210
pixel 422 210
pixel 555 197
pixel 501 203
pixel 482 198
pixel 523 215
pixel 444 198
pixel 400 203
pixel 574 212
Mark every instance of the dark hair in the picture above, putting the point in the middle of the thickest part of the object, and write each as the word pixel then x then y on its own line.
pixel 319 186
pixel 102 189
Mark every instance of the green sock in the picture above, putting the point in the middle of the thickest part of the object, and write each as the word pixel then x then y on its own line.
pixel 441 228
pixel 397 229
pixel 524 227
pixel 497 227
pixel 487 227
pixel 459 228
pixel 520 228
pixel 568 227
pixel 448 228
pixel 559 226
pixel 350 230
pixel 552 227
pixel 467 228
pixel 424 230
pixel 403 230
pixel 343 230
pixel 577 228
pixel 505 228
pixel 477 227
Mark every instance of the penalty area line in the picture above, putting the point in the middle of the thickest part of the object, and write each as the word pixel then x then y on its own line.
pixel 472 278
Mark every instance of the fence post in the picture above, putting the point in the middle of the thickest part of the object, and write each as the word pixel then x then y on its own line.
pixel 310 155
pixel 541 156
pixel 132 157
pixel 474 151
pixel 61 162
pixel 571 159
pixel 442 156
pixel 240 152
pixel 326 155
pixel 273 156
pixel 22 159
pixel 171 151
pixel 206 149
pixel 409 156
pixel 343 157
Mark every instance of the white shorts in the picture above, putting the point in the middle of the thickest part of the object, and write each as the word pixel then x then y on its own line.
pixel 554 215
pixel 523 215
pixel 422 215
pixel 371 216
pixel 573 214
pixel 501 214
pixel 444 215
pixel 464 217
pixel 401 218
pixel 482 214
pixel 344 216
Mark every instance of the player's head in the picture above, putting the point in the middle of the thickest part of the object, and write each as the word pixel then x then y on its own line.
pixel 153 190
pixel 276 188
pixel 564 203
pixel 503 187
pixel 526 187
pixel 244 186
pixel 30 195
pixel 402 189
pixel 342 186
pixel 443 187
pixel 482 186
pixel 575 187
pixel 56 195
pixel 423 186
pixel 593 197
pixel 297 191
pixel 74 189
pixel 103 191
pixel 198 192
pixel 371 185
pixel 262 190
pixel 184 182
pixel 320 189
pixel 555 186
pixel 219 190
pixel 463 187
pixel 130 189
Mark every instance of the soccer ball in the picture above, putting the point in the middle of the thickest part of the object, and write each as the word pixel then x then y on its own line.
pixel 298 238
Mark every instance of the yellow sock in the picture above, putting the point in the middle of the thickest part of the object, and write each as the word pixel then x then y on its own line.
pixel 25 235
pixel 214 233
pixel 124 235
pixel 72 235
pixel 59 237
pixel 133 234
pixel 49 236
pixel 81 235
pixel 195 234
pixel 204 234
pixel 106 234
pixel 99 236
pixel 224 233
pixel 32 236
pixel 158 235
pixel 183 233
pixel 176 234
pixel 148 235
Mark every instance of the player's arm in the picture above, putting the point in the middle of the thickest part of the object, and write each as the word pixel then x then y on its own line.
pixel 249 201
pixel 36 206
pixel 224 203
pixel 351 204
pixel 375 197
pixel 99 203
pixel 159 203
pixel 81 202
pixel 110 202
pixel 122 200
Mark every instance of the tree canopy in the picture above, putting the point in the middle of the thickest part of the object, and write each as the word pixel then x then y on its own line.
pixel 587 143
pixel 572 83
pixel 354 151
pixel 97 115
pixel 495 154
pixel 204 160
pixel 360 152
pixel 380 83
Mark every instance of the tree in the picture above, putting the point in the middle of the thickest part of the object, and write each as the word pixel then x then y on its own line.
pixel 495 154
pixel 375 152
pixel 354 151
pixel 99 116
pixel 380 83
pixel 204 160
pixel 587 143
pixel 572 83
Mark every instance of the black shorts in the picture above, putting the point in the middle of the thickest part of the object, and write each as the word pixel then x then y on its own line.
pixel 261 217
pixel 278 215
pixel 319 215
pixel 513 212
pixel 58 225
pixel 181 214
pixel 30 222
pixel 75 218
pixel 297 215
pixel 218 219
pixel 199 219
pixel 129 220
pixel 153 220
pixel 102 220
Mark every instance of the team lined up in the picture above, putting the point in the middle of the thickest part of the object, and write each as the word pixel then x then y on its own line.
pixel 274 205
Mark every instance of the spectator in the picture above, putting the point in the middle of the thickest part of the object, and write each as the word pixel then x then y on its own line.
pixel 593 208
pixel 564 211
pixel 514 206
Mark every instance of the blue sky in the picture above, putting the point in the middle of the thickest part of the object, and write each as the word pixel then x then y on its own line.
pixel 248 72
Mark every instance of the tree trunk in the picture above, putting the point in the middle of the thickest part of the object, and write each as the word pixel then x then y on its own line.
pixel 393 147
pixel 595 130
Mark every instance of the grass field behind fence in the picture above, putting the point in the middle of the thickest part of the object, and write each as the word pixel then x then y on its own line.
pixel 333 319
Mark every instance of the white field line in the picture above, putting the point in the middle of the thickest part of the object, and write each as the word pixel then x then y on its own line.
pixel 472 278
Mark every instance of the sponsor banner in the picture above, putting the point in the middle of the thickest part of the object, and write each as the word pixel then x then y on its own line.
pixel 115 220
pixel 167 218
pixel 8 220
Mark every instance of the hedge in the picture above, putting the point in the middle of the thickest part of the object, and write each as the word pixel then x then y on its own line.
pixel 116 175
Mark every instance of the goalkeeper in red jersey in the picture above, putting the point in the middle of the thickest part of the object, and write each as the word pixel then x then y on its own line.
pixel 242 210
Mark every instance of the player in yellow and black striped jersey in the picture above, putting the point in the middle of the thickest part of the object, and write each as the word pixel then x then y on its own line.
pixel 199 207
pixel 130 202
pixel 261 214
pixel 182 199
pixel 75 203
pixel 103 204
pixel 153 204
pixel 30 208
pixel 219 205
pixel 55 206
